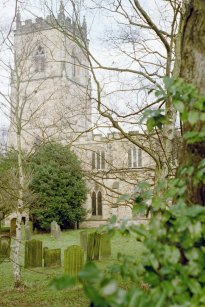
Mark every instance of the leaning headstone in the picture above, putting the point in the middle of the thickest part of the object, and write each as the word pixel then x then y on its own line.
pixel 13 227
pixel 73 260
pixel 83 240
pixel 5 242
pixel 105 246
pixel 93 246
pixel 33 254
pixel 52 257
pixel 55 230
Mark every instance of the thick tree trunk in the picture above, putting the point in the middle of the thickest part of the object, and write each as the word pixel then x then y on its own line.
pixel 193 71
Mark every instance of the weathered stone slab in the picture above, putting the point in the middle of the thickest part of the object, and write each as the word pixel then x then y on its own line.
pixel 13 227
pixel 93 246
pixel 55 230
pixel 52 257
pixel 105 246
pixel 73 260
pixel 5 247
pixel 33 254
pixel 27 231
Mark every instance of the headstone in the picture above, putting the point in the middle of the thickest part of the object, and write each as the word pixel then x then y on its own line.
pixel 52 257
pixel 31 226
pixel 73 260
pixel 55 230
pixel 27 230
pixel 13 227
pixel 105 246
pixel 22 231
pixel 5 242
pixel 33 254
pixel 83 240
pixel 93 246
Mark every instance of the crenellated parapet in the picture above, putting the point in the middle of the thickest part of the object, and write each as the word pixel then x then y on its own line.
pixel 49 22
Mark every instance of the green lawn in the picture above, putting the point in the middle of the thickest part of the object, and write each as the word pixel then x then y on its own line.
pixel 37 292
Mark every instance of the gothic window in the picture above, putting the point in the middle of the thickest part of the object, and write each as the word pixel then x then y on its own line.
pixel 98 160
pixel 134 157
pixel 40 59
pixel 97 203
pixel 94 211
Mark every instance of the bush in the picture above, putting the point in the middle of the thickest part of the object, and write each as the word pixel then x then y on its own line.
pixel 58 181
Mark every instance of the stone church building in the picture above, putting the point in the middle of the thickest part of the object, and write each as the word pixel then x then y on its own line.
pixel 52 100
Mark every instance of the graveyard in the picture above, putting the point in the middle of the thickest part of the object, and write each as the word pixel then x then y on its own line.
pixel 37 276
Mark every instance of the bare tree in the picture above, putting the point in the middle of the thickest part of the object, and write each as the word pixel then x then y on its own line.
pixel 142 53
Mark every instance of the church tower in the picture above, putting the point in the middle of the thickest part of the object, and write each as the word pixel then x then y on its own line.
pixel 50 83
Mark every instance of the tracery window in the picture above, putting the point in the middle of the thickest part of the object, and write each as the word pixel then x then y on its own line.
pixel 40 59
pixel 98 160
pixel 94 209
pixel 134 157
pixel 97 203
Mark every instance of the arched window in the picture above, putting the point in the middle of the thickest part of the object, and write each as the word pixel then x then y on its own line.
pixel 134 157
pixel 94 211
pixel 99 202
pixel 98 160
pixel 40 59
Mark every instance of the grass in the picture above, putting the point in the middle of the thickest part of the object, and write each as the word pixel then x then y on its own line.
pixel 36 292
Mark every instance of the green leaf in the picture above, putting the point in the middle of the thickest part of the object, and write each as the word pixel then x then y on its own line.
pixel 110 288
pixel 90 273
pixel 193 117
pixel 150 124
pixel 179 106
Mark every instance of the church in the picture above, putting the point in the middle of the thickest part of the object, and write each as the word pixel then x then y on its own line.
pixel 52 99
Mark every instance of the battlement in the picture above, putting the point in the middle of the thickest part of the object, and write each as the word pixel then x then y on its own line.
pixel 49 22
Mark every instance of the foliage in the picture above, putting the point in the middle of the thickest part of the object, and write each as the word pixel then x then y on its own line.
pixel 172 267
pixel 9 183
pixel 58 180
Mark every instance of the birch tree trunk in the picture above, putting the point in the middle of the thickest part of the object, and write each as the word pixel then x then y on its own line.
pixel 193 71
pixel 17 242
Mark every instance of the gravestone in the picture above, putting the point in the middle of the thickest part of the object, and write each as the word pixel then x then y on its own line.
pixel 73 260
pixel 52 257
pixel 33 254
pixel 30 223
pixel 105 246
pixel 5 242
pixel 93 246
pixel 27 231
pixel 13 227
pixel 83 240
pixel 55 230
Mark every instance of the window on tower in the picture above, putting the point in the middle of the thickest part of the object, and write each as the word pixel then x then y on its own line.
pixel 98 160
pixel 40 59
pixel 134 157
